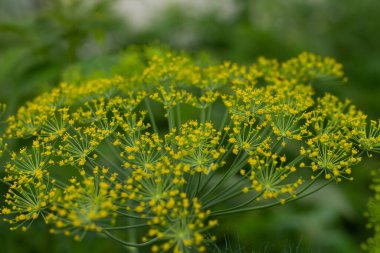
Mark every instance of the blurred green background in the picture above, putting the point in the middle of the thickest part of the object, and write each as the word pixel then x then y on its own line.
pixel 43 42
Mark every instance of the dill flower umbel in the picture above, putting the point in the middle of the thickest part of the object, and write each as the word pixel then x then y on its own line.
pixel 161 152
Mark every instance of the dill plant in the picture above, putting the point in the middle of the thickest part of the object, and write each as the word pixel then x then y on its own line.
pixel 164 152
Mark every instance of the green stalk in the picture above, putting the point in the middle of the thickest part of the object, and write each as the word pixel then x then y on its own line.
pixel 226 195
pixel 203 115
pixel 209 110
pixel 179 119
pixel 198 182
pixel 234 167
pixel 212 173
pixel 243 204
pixel 269 205
pixel 151 115
pixel 133 236
pixel 128 244
pixel 126 227
pixel 171 120
pixel 289 199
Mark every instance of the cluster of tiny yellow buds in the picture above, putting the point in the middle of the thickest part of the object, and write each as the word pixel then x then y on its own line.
pixel 29 164
pixel 165 148
pixel 198 145
pixel 84 203
pixel 308 66
pixel 167 68
pixel 170 96
pixel 368 137
pixel 180 222
pixel 270 176
pixel 27 202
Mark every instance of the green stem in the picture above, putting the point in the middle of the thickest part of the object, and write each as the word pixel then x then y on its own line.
pixel 126 227
pixel 133 216
pixel 198 184
pixel 203 115
pixel 212 173
pixel 289 199
pixel 179 119
pixel 227 194
pixel 171 120
pixel 245 203
pixel 296 160
pixel 236 165
pixel 209 110
pixel 128 244
pixel 151 115
pixel 133 236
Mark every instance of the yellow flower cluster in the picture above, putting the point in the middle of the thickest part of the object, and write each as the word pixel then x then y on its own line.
pixel 85 203
pixel 161 152
pixel 197 145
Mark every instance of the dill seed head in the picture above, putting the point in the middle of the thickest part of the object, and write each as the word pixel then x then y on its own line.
pixel 163 152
